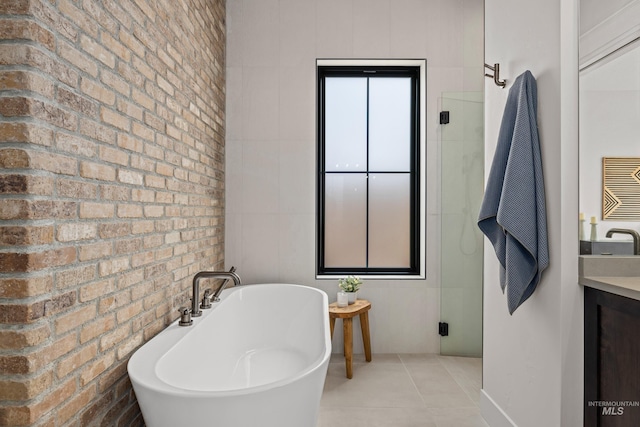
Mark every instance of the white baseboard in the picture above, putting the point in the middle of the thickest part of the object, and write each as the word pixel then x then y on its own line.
pixel 492 413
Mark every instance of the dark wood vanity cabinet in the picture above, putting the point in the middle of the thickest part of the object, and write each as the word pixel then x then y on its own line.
pixel 611 360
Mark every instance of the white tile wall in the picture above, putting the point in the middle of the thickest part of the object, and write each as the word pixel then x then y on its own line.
pixel 297 32
pixel 409 26
pixel 260 177
pixel 297 103
pixel 270 177
pixel 297 158
pixel 260 103
pixel 334 28
pixel 235 105
pixel 260 255
pixel 371 29
pixel 235 29
pixel 260 32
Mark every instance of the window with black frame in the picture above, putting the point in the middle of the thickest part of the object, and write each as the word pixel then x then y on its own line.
pixel 369 170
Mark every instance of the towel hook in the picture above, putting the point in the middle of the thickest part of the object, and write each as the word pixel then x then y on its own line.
pixel 496 75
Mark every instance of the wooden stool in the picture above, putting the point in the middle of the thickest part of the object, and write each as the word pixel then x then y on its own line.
pixel 360 307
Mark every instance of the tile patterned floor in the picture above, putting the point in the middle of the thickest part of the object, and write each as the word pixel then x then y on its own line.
pixel 403 390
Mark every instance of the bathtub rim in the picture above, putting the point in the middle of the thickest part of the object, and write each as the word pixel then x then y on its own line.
pixel 144 374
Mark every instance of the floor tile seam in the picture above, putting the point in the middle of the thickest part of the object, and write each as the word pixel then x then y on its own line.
pixel 461 369
pixel 442 376
pixel 471 397
pixel 420 407
pixel 448 418
pixel 415 386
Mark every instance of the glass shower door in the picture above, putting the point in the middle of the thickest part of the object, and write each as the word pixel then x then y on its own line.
pixel 462 179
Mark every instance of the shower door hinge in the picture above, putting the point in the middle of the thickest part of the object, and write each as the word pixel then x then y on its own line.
pixel 443 329
pixel 444 117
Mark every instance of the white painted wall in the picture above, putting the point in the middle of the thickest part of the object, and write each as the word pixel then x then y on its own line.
pixel 532 366
pixel 270 181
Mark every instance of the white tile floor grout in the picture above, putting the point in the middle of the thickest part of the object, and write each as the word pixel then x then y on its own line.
pixel 403 390
pixel 414 383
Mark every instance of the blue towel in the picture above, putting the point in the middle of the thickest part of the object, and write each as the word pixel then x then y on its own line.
pixel 513 214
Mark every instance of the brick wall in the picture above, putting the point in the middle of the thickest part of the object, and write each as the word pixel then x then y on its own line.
pixel 111 193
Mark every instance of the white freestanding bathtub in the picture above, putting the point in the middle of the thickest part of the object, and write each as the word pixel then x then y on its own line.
pixel 258 358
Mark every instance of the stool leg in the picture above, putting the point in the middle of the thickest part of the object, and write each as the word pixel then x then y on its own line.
pixel 347 326
pixel 366 338
pixel 332 325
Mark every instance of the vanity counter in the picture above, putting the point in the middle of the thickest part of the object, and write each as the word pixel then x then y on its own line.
pixel 618 275
pixel 624 286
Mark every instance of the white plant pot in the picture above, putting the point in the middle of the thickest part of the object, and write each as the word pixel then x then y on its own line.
pixel 352 297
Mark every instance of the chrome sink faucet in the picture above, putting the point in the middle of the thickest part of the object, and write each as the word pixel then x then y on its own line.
pixel 632 233
pixel 195 309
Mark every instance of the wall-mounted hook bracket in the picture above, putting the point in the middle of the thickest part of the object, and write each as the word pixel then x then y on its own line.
pixel 496 75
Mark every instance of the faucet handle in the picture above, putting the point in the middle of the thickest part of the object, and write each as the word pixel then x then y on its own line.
pixel 185 317
pixel 206 299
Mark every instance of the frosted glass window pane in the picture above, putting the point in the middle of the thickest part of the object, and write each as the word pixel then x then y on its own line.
pixel 389 220
pixel 345 220
pixel 389 124
pixel 345 124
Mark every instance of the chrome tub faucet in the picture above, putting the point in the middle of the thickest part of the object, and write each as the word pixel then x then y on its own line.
pixel 208 297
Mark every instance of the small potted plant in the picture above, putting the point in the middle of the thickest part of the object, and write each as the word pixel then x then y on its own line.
pixel 350 286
